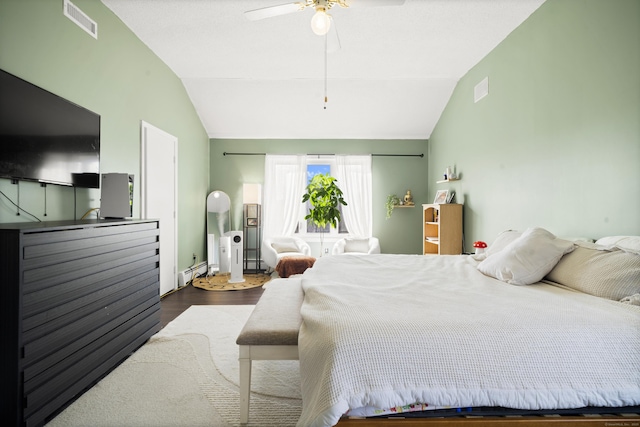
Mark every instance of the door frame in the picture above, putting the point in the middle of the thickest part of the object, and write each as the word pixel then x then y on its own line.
pixel 145 183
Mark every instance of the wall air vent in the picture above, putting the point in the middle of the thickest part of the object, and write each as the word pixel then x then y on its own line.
pixel 72 12
pixel 481 90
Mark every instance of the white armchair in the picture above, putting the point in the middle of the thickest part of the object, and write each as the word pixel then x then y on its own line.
pixel 364 246
pixel 274 248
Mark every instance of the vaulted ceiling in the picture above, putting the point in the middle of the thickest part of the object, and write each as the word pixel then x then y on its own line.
pixel 391 78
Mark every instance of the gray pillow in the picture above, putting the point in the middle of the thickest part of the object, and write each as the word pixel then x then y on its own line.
pixel 608 274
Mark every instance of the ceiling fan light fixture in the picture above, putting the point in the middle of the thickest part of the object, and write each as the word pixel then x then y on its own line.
pixel 321 22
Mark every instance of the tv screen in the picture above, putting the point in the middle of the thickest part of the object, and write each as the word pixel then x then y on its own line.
pixel 46 138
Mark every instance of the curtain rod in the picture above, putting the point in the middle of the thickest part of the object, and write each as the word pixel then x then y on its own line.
pixel 325 154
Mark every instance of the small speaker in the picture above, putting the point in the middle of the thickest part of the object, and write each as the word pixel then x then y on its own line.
pixel 116 195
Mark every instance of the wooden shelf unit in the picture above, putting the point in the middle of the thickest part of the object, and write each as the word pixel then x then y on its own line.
pixel 442 229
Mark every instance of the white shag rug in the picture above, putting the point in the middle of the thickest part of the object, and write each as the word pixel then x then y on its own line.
pixel 187 375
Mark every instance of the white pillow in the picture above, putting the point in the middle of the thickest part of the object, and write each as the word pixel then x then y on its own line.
pixel 356 245
pixel 527 259
pixel 502 240
pixel 281 247
pixel 578 239
pixel 630 244
pixel 632 300
pixel 626 243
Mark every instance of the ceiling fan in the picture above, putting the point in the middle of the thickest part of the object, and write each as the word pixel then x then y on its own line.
pixel 321 21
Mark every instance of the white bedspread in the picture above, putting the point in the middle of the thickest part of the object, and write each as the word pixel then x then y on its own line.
pixel 391 330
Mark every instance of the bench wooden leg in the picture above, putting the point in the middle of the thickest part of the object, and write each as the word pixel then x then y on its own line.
pixel 245 383
pixel 248 353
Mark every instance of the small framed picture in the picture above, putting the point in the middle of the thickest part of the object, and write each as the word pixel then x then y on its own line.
pixel 252 211
pixel 252 222
pixel 441 197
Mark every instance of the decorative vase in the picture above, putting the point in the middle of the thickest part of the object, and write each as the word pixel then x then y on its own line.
pixel 408 198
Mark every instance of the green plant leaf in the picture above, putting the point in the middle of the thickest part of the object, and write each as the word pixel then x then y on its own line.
pixel 324 196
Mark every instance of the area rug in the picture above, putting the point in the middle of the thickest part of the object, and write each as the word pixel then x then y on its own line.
pixel 220 282
pixel 187 375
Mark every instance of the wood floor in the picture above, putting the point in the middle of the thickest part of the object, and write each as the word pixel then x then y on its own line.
pixel 173 304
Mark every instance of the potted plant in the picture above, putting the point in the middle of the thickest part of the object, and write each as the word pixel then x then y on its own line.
pixel 325 197
pixel 392 202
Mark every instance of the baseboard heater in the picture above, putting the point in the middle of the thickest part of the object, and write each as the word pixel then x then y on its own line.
pixel 185 276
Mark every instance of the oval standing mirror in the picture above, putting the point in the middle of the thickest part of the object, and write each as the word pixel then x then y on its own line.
pixel 218 223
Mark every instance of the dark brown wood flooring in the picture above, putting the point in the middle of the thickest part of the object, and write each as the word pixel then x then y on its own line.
pixel 173 304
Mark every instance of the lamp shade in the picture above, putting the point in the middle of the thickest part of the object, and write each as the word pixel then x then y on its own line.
pixel 252 194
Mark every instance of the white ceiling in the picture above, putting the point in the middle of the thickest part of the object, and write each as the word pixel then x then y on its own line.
pixel 391 79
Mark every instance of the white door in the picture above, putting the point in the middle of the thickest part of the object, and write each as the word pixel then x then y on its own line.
pixel 158 193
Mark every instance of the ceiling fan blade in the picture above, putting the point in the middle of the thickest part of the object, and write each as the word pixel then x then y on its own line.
pixel 374 3
pixel 271 11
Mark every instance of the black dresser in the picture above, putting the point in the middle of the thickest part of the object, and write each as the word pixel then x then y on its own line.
pixel 77 298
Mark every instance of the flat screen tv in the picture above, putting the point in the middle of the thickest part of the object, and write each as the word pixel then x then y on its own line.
pixel 46 138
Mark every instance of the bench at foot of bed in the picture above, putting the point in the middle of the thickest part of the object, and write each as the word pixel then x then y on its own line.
pixel 271 332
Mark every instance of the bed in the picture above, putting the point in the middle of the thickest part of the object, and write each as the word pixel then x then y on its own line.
pixel 539 324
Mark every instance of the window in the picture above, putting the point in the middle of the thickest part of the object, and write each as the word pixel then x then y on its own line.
pixel 284 185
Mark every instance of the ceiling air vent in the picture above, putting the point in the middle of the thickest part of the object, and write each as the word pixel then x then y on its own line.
pixel 72 12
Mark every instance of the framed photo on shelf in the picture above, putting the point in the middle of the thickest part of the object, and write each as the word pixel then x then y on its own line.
pixel 252 222
pixel 441 197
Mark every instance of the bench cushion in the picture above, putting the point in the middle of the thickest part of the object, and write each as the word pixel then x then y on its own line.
pixel 276 318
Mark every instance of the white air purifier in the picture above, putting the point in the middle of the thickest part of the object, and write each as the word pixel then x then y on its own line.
pixel 236 246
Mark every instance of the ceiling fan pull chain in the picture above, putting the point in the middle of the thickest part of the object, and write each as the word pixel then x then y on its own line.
pixel 325 72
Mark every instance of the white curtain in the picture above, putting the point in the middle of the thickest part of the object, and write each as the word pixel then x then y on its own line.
pixel 354 179
pixel 284 185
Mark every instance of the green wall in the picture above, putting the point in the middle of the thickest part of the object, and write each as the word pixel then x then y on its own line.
pixel 401 233
pixel 556 143
pixel 118 77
